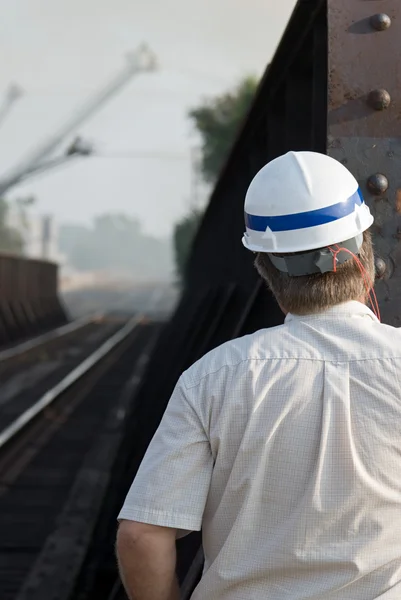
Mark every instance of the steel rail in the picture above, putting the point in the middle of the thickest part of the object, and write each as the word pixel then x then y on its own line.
pixel 49 336
pixel 12 430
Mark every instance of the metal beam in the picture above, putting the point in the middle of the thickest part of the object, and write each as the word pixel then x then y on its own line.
pixel 364 123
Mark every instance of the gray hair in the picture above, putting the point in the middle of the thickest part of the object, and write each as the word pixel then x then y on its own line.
pixel 309 294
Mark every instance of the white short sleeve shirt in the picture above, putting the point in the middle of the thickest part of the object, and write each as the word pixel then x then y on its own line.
pixel 284 446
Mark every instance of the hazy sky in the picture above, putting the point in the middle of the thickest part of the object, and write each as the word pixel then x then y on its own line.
pixel 62 51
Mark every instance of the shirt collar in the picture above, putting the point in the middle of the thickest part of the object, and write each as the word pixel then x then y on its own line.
pixel 347 309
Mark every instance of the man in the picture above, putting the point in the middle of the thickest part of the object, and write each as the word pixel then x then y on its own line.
pixel 284 445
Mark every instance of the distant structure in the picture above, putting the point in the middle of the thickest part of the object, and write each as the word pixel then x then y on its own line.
pixel 40 234
pixel 42 239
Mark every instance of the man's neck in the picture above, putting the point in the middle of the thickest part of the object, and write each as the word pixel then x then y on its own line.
pixel 363 301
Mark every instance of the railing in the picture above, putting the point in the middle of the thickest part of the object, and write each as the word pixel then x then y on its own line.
pixel 28 297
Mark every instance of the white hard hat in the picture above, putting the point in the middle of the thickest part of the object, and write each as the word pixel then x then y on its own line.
pixel 303 201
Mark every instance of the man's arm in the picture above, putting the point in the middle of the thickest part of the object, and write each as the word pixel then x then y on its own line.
pixel 147 559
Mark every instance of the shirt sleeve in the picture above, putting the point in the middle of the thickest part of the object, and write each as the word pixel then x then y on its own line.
pixel 172 483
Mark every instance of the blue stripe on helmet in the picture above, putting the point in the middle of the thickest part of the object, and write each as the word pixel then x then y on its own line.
pixel 304 220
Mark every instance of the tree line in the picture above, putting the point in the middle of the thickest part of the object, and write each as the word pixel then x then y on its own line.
pixel 218 122
pixel 116 242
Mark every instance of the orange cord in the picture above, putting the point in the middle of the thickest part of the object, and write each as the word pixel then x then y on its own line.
pixel 366 279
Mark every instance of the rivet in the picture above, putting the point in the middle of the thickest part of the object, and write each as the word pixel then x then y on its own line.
pixel 379 99
pixel 380 267
pixel 380 22
pixel 378 184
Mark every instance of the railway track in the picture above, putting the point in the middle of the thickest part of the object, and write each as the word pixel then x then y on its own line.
pixel 56 459
pixel 29 370
pixel 39 348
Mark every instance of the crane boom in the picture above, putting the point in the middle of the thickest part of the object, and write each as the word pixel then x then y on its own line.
pixel 13 93
pixel 140 61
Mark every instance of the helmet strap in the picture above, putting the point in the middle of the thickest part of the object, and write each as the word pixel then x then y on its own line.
pixel 322 260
